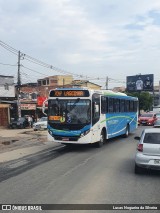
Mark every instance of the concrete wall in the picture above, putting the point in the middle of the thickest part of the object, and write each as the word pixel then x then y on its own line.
pixel 7 88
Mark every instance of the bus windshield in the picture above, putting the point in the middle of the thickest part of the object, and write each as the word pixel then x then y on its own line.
pixel 69 111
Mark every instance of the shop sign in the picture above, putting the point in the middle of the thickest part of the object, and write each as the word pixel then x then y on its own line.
pixel 28 106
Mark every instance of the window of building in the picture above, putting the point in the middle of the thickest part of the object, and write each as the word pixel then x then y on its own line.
pixel 39 83
pixel 53 81
pixel 44 82
pixel 6 87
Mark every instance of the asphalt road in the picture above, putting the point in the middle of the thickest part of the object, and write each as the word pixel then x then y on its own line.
pixel 80 175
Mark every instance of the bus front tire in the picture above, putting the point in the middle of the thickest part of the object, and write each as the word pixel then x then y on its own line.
pixel 101 141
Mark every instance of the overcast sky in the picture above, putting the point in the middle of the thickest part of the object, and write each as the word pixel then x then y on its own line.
pixel 92 38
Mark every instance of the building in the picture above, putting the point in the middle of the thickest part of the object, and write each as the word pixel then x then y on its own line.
pixel 46 84
pixel 7 99
pixel 85 83
pixel 28 99
pixel 119 89
pixel 52 82
pixel 156 96
pixel 7 87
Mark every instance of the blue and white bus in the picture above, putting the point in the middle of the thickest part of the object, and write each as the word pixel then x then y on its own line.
pixel 84 116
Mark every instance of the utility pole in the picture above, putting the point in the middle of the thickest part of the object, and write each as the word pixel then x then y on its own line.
pixel 107 82
pixel 19 85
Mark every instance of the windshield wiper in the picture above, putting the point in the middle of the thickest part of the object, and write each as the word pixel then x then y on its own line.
pixel 73 106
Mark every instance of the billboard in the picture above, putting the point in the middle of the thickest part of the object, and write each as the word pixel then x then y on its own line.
pixel 140 83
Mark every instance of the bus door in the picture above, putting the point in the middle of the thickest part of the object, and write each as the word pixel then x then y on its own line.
pixel 96 117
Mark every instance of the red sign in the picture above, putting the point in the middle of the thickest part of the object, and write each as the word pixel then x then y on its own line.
pixel 40 100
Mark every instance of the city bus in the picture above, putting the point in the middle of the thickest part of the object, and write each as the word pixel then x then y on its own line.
pixel 85 116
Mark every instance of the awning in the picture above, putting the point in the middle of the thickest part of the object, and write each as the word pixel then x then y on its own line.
pixel 4 105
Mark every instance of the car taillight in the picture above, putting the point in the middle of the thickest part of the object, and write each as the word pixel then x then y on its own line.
pixel 140 147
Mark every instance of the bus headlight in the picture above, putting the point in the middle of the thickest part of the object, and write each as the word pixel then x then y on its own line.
pixel 84 133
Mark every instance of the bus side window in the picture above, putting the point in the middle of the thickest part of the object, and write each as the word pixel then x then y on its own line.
pixel 126 105
pixel 116 105
pixel 135 106
pixel 103 105
pixel 110 105
pixel 131 106
pixel 122 105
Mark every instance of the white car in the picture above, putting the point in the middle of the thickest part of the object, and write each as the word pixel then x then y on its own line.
pixel 148 150
pixel 41 124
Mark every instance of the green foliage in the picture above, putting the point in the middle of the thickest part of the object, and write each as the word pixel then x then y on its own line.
pixel 145 99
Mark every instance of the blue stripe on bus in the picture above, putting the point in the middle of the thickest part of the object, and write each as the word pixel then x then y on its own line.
pixel 68 133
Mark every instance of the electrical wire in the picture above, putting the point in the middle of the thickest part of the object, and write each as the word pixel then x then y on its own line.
pixel 7 64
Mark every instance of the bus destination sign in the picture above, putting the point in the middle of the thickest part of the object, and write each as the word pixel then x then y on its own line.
pixel 69 93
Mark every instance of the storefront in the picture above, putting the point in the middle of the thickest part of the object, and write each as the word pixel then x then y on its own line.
pixel 4 115
pixel 28 109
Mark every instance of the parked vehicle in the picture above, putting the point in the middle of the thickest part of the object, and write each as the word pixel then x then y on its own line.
pixel 157 122
pixel 41 124
pixel 147 119
pixel 148 150
pixel 19 123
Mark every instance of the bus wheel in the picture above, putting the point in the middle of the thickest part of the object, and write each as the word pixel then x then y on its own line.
pixel 127 131
pixel 102 140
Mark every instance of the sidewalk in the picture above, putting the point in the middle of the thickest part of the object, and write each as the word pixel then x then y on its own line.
pixel 17 143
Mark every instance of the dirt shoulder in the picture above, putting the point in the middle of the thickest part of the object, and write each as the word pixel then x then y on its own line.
pixel 11 139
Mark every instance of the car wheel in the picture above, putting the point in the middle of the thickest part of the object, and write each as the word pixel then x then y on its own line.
pixel 138 170
pixel 21 126
pixel 14 127
pixel 102 140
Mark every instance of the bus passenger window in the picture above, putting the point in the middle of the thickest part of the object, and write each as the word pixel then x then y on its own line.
pixel 110 105
pixel 126 105
pixel 122 106
pixel 103 105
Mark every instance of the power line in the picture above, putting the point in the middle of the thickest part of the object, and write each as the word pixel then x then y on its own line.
pixel 36 61
pixel 9 48
pixel 8 64
pixel 33 70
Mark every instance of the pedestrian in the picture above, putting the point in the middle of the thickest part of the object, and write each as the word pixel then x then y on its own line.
pixel 30 120
pixel 33 119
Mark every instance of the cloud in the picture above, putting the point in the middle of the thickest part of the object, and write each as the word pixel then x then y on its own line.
pixel 85 36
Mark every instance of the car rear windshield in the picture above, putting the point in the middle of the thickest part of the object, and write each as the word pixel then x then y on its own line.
pixel 147 115
pixel 153 138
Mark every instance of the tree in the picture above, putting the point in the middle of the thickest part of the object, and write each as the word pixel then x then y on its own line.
pixel 145 100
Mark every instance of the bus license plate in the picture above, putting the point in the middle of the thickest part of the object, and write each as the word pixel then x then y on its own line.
pixel 65 139
pixel 157 161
